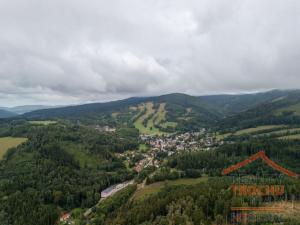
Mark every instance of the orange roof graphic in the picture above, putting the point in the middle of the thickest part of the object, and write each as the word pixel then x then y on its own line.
pixel 259 155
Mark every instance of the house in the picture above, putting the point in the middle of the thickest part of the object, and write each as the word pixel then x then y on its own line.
pixel 138 168
pixel 65 217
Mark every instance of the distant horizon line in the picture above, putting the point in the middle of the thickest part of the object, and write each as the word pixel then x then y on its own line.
pixel 145 96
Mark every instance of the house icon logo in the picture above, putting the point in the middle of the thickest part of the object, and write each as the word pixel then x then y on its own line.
pixel 260 155
pixel 268 190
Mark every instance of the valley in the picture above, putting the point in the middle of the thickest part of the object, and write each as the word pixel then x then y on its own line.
pixel 140 160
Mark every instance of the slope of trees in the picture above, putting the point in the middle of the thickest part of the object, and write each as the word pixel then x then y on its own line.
pixel 41 178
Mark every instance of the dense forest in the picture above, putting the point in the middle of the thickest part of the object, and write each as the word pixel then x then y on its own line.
pixel 45 176
pixel 286 153
pixel 204 203
pixel 64 165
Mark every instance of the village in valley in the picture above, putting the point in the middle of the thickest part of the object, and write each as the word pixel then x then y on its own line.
pixel 154 148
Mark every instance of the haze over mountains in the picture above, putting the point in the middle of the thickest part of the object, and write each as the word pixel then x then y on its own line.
pixel 241 110
pixel 6 112
pixel 275 106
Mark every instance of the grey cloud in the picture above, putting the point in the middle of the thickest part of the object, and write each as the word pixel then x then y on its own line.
pixel 72 51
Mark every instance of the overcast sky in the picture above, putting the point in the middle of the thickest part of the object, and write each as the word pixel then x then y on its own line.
pixel 70 51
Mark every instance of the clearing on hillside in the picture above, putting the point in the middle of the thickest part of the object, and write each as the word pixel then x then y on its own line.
pixel 156 187
pixel 147 112
pixel 160 115
pixel 168 124
pixel 266 128
pixel 42 122
pixel 280 133
pixel 9 142
pixel 291 137
pixel 295 109
pixel 259 128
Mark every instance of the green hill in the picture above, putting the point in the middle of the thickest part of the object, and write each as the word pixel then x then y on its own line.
pixel 58 168
pixel 187 112
pixel 6 114
pixel 181 112
pixel 231 104
pixel 282 110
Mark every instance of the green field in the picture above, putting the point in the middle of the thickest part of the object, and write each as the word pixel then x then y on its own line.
pixel 283 132
pixel 291 137
pixel 220 137
pixel 152 115
pixel 156 187
pixel 42 122
pixel 84 159
pixel 160 115
pixel 9 142
pixel 266 128
pixel 114 115
pixel 293 108
pixel 259 128
pixel 143 148
pixel 168 124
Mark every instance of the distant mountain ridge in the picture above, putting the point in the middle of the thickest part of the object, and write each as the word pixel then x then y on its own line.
pixel 19 110
pixel 6 114
pixel 231 104
pixel 182 109
pixel 193 111
pixel 284 109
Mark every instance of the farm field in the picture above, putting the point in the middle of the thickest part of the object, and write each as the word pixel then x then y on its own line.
pixel 9 142
pixel 42 122
pixel 156 187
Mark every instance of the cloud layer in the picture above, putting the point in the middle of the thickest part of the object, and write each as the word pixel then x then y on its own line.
pixel 71 51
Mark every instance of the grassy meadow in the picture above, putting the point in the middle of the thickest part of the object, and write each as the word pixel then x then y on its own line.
pixel 9 142
pixel 42 122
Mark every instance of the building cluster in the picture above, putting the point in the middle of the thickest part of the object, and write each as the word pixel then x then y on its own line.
pixel 114 188
pixel 149 160
pixel 180 142
pixel 168 145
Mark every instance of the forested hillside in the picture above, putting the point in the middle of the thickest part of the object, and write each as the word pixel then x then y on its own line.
pixel 231 104
pixel 188 112
pixel 283 110
pixel 6 114
pixel 185 112
pixel 208 199
pixel 59 168
pixel 172 149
